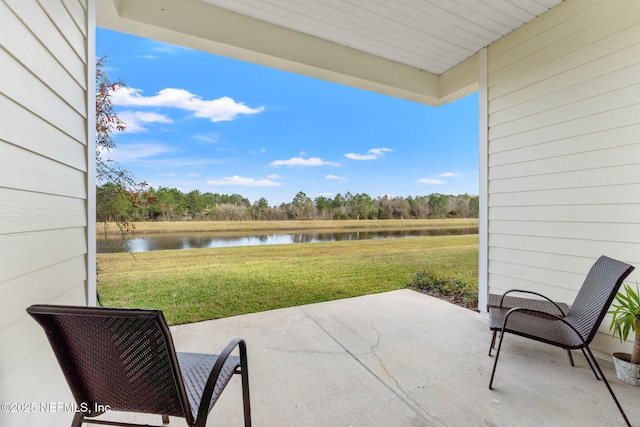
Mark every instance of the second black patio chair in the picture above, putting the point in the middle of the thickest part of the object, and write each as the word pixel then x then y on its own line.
pixel 576 329
pixel 124 360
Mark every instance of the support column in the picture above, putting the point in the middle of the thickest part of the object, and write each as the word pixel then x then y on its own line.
pixel 483 224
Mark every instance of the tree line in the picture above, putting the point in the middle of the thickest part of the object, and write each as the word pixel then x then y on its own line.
pixel 171 204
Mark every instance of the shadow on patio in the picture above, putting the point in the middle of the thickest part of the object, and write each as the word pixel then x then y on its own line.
pixel 400 359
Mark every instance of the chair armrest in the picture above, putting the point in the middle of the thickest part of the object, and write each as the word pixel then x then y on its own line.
pixel 207 393
pixel 532 293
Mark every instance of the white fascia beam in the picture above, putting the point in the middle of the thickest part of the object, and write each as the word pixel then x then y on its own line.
pixel 460 80
pixel 202 26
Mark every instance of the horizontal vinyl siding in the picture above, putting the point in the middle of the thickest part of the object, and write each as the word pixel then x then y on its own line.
pixel 29 171
pixel 25 335
pixel 26 252
pixel 580 39
pixel 564 148
pixel 24 211
pixel 22 291
pixel 23 128
pixel 31 92
pixel 43 190
pixel 48 34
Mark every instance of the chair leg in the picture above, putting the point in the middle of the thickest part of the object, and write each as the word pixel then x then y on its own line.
pixel 615 399
pixel 588 361
pixel 590 365
pixel 245 399
pixel 78 419
pixel 570 357
pixel 493 342
pixel 590 356
pixel 495 362
pixel 244 375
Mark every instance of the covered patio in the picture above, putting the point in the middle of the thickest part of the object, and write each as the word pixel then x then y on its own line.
pixel 400 358
pixel 559 185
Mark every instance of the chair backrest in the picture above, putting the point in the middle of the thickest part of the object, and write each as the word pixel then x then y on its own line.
pixel 596 295
pixel 123 358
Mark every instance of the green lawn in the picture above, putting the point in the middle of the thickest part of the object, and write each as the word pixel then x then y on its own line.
pixel 201 284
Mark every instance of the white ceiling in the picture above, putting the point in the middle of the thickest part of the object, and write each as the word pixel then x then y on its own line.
pixel 422 50
pixel 431 35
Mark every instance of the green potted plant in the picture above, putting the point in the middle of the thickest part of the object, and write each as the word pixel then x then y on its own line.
pixel 626 318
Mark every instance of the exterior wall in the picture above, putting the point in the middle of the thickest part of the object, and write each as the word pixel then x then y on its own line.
pixel 46 48
pixel 563 149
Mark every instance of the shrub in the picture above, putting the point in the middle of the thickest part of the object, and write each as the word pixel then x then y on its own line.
pixel 454 290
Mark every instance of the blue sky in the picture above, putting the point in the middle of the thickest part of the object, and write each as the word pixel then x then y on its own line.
pixel 197 121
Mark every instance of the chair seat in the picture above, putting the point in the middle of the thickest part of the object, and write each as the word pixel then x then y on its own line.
pixel 195 369
pixel 534 304
pixel 545 329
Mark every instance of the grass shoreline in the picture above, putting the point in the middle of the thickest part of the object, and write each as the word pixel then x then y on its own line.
pixel 200 284
pixel 142 228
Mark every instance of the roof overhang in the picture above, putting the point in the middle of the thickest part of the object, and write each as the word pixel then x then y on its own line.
pixel 201 25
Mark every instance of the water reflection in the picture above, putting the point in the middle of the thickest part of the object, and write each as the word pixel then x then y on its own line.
pixel 165 241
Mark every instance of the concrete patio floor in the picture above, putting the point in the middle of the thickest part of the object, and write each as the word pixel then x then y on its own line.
pixel 400 358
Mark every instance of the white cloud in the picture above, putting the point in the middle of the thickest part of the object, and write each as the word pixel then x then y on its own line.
pixel 182 162
pixel 437 181
pixel 124 153
pixel 210 137
pixel 300 161
pixel 169 48
pixel 163 49
pixel 245 182
pixel 135 120
pixel 273 176
pixel 373 154
pixel 431 181
pixel 334 177
pixel 216 110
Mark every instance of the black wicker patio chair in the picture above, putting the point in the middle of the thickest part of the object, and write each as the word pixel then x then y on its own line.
pixel 124 360
pixel 577 328
pixel 531 306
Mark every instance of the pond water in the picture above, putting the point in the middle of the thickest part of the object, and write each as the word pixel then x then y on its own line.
pixel 164 241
